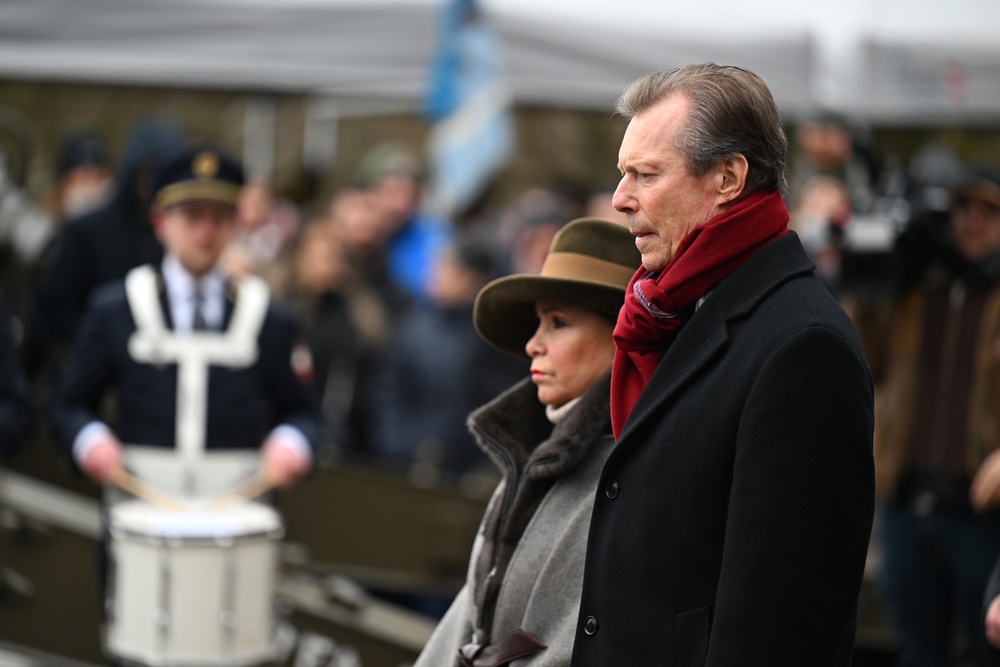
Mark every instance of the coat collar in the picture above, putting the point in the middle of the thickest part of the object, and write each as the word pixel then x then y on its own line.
pixel 707 333
pixel 515 422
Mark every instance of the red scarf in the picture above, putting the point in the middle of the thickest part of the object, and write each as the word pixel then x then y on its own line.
pixel 655 304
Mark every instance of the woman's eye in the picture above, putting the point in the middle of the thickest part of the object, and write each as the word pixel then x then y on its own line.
pixel 557 323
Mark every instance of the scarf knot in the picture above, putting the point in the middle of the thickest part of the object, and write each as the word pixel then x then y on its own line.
pixel 656 304
pixel 664 313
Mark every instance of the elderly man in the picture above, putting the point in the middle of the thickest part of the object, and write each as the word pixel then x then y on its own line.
pixel 732 518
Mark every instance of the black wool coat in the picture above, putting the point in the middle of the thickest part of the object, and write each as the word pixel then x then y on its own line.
pixel 732 519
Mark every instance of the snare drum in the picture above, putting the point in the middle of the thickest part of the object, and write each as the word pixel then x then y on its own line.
pixel 192 588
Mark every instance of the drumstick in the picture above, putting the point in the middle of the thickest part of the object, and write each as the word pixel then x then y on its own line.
pixel 253 486
pixel 123 480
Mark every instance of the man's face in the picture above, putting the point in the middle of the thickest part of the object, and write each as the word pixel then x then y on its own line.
pixel 195 233
pixel 398 195
pixel 662 201
pixel 975 227
pixel 451 283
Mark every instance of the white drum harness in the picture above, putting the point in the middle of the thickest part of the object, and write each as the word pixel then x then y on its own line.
pixel 194 352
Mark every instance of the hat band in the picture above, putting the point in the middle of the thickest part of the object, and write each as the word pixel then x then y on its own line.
pixel 576 266
pixel 981 191
pixel 217 191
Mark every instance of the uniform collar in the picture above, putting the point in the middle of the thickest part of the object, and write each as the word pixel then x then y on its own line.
pixel 179 281
pixel 180 291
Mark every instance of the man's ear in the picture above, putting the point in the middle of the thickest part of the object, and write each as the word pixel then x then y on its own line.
pixel 732 179
pixel 156 219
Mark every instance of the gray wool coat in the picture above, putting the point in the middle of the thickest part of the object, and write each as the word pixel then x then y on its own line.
pixel 533 537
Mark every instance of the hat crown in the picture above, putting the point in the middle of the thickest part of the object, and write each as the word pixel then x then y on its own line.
pixel 609 246
pixel 197 172
pixel 590 264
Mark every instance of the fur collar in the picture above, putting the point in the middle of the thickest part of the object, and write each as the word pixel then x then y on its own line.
pixel 515 421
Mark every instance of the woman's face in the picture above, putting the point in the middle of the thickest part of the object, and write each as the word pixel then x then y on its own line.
pixel 571 348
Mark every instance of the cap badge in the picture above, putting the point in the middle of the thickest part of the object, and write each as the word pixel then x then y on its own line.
pixel 205 164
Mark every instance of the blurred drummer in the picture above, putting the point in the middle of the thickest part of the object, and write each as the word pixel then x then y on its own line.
pixel 265 405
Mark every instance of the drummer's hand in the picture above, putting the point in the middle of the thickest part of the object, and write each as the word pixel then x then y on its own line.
pixel 103 460
pixel 984 492
pixel 283 466
pixel 993 623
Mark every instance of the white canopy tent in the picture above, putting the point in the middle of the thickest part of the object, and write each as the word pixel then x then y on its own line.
pixel 932 61
pixel 888 60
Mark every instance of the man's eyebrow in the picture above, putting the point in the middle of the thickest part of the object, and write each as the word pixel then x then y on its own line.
pixel 641 165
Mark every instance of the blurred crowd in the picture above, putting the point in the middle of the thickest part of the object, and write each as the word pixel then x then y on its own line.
pixel 383 289
pixel 912 252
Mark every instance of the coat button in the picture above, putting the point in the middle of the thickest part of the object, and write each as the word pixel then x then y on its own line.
pixel 611 490
pixel 590 626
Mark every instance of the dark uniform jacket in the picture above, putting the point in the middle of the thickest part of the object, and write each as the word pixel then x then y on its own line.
pixel 243 404
pixel 732 519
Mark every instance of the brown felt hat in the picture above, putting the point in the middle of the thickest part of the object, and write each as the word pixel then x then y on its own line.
pixel 590 263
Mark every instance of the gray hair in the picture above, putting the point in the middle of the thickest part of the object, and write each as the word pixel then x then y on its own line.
pixel 731 113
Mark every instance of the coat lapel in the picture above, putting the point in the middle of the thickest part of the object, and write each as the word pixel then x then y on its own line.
pixel 707 334
pixel 696 345
pixel 161 293
pixel 232 289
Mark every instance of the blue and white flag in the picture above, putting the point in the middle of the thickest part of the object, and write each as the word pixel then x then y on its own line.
pixel 468 100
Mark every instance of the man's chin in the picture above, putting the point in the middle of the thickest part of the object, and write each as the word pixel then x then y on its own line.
pixel 199 268
pixel 654 264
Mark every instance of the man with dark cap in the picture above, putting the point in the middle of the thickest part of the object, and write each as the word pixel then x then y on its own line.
pixel 83 181
pixel 83 175
pixel 937 441
pixel 145 334
pixel 99 247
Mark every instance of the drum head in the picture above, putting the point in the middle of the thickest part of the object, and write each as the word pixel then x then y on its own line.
pixel 140 519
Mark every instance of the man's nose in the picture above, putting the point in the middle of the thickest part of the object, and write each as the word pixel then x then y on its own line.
pixel 622 200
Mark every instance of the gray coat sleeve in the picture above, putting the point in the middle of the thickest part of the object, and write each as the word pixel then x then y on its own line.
pixel 453 632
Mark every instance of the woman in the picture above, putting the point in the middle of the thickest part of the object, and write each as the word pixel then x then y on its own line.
pixel 549 435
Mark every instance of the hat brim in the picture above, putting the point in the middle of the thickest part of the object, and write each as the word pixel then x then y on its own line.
pixel 185 192
pixel 504 312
